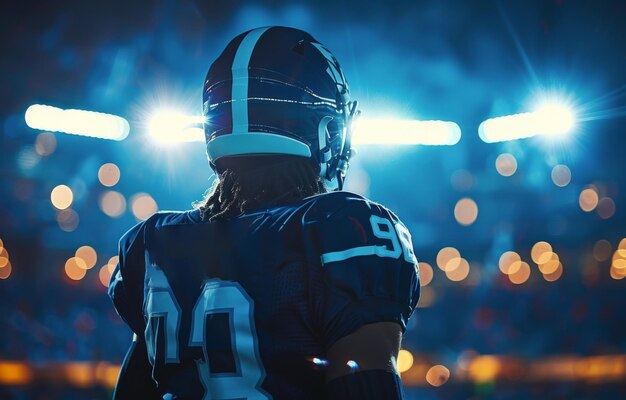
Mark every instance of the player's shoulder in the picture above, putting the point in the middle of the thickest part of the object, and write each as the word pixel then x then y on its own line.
pixel 341 205
pixel 158 221
pixel 164 219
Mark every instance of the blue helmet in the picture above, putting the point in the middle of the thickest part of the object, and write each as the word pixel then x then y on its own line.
pixel 277 90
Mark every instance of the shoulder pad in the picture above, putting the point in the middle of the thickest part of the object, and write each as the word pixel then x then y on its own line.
pixel 342 204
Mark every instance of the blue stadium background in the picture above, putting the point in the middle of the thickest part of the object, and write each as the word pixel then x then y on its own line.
pixel 479 333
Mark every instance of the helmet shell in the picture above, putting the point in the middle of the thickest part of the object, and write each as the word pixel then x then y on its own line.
pixel 276 90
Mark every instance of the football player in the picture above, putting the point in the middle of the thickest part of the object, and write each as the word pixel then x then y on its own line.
pixel 279 285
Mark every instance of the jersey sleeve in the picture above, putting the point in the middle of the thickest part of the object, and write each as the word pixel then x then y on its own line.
pixel 135 377
pixel 126 288
pixel 363 268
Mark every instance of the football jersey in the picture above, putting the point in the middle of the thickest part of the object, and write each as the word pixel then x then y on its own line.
pixel 247 307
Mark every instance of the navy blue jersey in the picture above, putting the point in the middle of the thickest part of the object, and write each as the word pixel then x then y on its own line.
pixel 243 307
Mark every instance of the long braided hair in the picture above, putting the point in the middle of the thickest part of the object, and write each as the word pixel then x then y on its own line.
pixel 250 182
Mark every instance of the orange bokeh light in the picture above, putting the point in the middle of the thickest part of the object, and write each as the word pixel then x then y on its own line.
pixel 75 268
pixel 508 262
pixel 426 273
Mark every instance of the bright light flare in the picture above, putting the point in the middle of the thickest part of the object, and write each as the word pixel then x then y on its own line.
pixel 405 132
pixel 549 119
pixel 175 127
pixel 554 119
pixel 77 122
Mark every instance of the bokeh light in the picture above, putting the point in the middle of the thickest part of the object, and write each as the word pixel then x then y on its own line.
pixel 104 275
pixel 109 174
pixel 75 268
pixel 521 275
pixel 551 264
pixel 61 197
pixel 405 360
pixel 113 263
pixel 437 375
pixel 588 199
pixel 68 220
pixel 45 144
pixel 143 206
pixel 506 164
pixel 426 273
pixel 484 369
pixel 88 255
pixel 466 211
pixel 602 250
pixel 618 266
pixel 5 262
pixel 615 272
pixel 107 373
pixel 5 272
pixel 553 276
pixel 621 248
pixel 112 203
pixel 509 262
pixel 460 272
pixel 4 257
pixel 606 208
pixel 619 263
pixel 448 258
pixel 540 252
pixel 561 175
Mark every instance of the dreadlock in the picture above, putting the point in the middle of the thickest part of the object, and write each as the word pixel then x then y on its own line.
pixel 247 183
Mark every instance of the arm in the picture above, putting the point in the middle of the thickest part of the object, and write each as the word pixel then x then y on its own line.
pixel 374 348
pixel 135 380
pixel 365 286
pixel 126 291
pixel 126 285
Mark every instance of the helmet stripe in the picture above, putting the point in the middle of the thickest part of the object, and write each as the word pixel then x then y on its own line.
pixel 333 68
pixel 239 71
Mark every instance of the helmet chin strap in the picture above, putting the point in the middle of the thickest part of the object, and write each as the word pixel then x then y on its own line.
pixel 325 154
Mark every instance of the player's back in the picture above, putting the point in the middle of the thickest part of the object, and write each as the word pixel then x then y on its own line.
pixel 246 307
pixel 241 288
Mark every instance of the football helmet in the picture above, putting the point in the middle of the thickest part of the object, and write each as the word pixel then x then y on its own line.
pixel 277 90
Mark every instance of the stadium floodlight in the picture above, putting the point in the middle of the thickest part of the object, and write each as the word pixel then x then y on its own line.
pixel 175 127
pixel 405 132
pixel 549 119
pixel 77 122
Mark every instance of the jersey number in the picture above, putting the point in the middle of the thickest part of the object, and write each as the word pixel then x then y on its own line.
pixel 216 297
pixel 398 236
pixel 389 233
